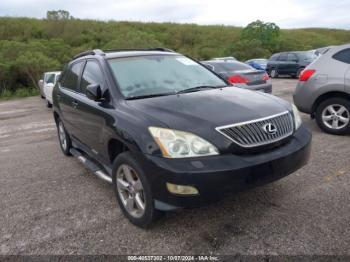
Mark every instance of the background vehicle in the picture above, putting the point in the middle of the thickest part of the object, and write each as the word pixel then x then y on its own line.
pixel 41 85
pixel 241 75
pixel 259 63
pixel 51 79
pixel 289 63
pixel 227 58
pixel 323 90
pixel 169 133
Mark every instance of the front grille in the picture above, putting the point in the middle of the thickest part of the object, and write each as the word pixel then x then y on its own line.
pixel 261 131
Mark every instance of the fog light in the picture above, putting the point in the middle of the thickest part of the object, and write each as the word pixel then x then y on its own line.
pixel 181 190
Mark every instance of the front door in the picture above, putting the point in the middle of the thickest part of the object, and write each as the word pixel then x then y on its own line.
pixel 93 114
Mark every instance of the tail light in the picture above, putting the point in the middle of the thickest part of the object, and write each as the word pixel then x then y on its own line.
pixel 306 74
pixel 266 77
pixel 237 79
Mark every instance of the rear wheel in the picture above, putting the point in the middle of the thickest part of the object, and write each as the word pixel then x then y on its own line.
pixel 48 104
pixel 64 139
pixel 333 116
pixel 299 72
pixel 274 73
pixel 133 191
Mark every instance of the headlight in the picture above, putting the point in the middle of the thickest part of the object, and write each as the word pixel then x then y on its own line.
pixel 178 144
pixel 297 118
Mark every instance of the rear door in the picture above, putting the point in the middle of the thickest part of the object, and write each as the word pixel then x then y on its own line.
pixel 93 115
pixel 68 97
pixel 292 64
pixel 282 64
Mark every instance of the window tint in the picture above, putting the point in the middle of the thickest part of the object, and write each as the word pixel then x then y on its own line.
pixel 92 75
pixel 343 56
pixel 292 57
pixel 72 76
pixel 283 57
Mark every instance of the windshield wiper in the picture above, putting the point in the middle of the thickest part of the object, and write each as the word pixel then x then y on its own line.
pixel 197 88
pixel 148 96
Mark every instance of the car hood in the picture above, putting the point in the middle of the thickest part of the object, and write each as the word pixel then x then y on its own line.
pixel 208 109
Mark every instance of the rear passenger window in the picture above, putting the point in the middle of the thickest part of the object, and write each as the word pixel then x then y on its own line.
pixel 343 56
pixel 292 57
pixel 72 76
pixel 283 57
pixel 274 57
pixel 92 75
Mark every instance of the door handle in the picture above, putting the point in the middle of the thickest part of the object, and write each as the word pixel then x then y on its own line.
pixel 75 104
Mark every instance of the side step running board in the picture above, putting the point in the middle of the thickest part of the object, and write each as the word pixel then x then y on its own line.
pixel 91 165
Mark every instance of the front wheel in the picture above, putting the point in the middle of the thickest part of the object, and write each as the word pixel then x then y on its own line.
pixel 133 191
pixel 333 116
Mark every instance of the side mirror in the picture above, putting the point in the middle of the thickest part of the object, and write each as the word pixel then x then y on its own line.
pixel 94 92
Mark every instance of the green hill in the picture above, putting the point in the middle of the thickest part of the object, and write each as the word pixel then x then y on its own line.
pixel 30 46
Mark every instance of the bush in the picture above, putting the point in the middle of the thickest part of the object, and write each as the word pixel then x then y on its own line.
pixel 20 92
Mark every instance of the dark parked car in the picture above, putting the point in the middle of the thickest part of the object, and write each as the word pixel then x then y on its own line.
pixel 289 63
pixel 259 63
pixel 241 75
pixel 169 133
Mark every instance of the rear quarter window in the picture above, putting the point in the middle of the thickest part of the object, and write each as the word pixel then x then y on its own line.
pixel 343 56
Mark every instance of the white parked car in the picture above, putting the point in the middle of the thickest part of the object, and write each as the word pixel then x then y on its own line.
pixel 50 79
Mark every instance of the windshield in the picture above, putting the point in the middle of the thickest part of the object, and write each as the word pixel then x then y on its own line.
pixel 160 74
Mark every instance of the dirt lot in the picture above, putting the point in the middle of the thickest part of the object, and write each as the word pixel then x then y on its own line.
pixel 51 204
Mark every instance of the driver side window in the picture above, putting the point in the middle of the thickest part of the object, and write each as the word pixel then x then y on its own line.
pixel 92 75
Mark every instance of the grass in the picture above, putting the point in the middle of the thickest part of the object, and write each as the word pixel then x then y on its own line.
pixel 18 93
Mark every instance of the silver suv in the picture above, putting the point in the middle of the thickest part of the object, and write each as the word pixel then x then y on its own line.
pixel 323 90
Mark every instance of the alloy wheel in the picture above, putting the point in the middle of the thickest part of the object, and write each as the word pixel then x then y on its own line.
pixel 273 73
pixel 62 135
pixel 335 116
pixel 131 191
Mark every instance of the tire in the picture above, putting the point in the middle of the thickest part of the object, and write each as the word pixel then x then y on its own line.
pixel 48 104
pixel 299 72
pixel 333 116
pixel 62 133
pixel 274 73
pixel 129 189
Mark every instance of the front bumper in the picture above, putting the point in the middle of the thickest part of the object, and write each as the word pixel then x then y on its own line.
pixel 303 97
pixel 215 176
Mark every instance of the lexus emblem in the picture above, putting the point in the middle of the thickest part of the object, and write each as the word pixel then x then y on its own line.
pixel 270 128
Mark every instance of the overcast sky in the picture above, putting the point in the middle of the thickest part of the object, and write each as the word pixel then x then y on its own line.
pixel 286 13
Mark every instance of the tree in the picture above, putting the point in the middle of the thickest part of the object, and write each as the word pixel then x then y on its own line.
pixel 58 15
pixel 266 33
pixel 32 64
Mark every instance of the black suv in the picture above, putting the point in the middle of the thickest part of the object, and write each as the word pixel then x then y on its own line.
pixel 289 63
pixel 169 133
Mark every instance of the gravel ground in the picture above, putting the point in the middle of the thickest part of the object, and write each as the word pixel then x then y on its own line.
pixel 51 204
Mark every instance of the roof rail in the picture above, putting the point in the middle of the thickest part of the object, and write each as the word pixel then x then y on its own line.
pixel 89 52
pixel 141 49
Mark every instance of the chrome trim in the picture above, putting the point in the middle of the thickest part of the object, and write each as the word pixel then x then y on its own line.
pixel 251 136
